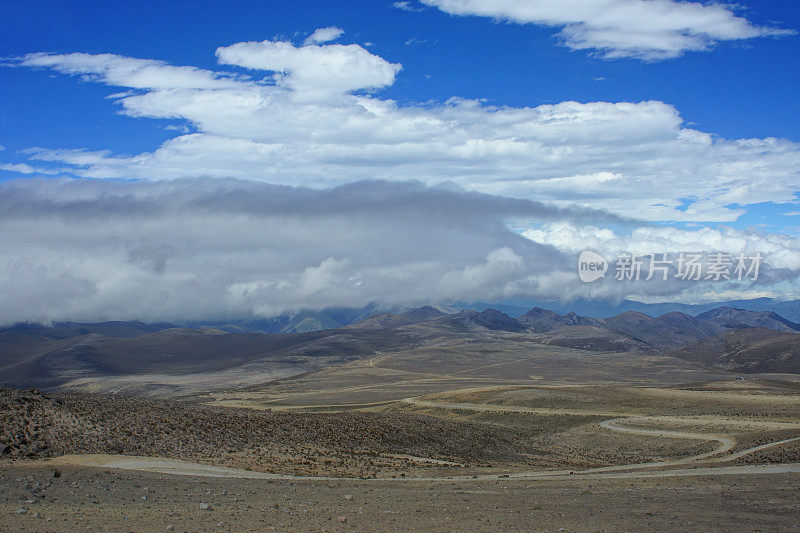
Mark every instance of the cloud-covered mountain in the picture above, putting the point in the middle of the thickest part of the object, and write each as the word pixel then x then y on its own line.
pixel 222 250
pixel 218 250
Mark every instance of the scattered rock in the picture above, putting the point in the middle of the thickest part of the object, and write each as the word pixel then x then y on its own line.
pixel 21 510
pixel 204 506
pixel 341 519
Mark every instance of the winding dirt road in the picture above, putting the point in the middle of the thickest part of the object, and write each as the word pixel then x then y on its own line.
pixel 638 470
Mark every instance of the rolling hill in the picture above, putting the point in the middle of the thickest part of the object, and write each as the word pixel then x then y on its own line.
pixel 665 332
pixel 389 320
pixel 593 338
pixel 732 318
pixel 541 320
pixel 748 350
pixel 43 359
pixel 112 355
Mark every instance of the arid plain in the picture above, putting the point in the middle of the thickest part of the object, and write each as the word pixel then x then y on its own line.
pixel 450 428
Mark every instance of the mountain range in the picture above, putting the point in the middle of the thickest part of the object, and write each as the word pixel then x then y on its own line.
pixel 139 358
pixel 730 337
pixel 314 320
pixel 598 308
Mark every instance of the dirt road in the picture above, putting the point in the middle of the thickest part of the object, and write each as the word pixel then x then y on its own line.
pixel 639 470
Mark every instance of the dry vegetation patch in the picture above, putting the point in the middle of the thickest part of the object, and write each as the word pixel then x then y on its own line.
pixel 36 425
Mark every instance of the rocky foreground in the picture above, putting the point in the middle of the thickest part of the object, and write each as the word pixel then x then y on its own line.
pixel 36 425
pixel 31 499
pixel 39 496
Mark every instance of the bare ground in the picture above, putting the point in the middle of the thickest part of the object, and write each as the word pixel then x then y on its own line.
pixel 106 500
pixel 515 414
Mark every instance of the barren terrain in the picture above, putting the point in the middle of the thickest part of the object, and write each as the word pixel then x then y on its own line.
pixel 454 429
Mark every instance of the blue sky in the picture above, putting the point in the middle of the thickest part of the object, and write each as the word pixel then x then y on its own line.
pixel 739 90
pixel 681 133
pixel 507 63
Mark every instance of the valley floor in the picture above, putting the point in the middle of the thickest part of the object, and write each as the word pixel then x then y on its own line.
pixel 100 499
pixel 458 435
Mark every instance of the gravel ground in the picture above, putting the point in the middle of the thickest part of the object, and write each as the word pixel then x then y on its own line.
pixel 90 499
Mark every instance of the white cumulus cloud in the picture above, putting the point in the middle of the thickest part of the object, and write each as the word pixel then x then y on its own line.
pixel 324 35
pixel 643 29
pixel 24 168
pixel 130 72
pixel 778 276
pixel 305 127
pixel 781 250
pixel 634 158
pixel 406 6
pixel 313 71
pixel 302 119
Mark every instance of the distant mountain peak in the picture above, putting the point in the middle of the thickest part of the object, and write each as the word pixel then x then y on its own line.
pixel 734 318
pixel 491 319
pixel 406 318
pixel 634 314
pixel 541 320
